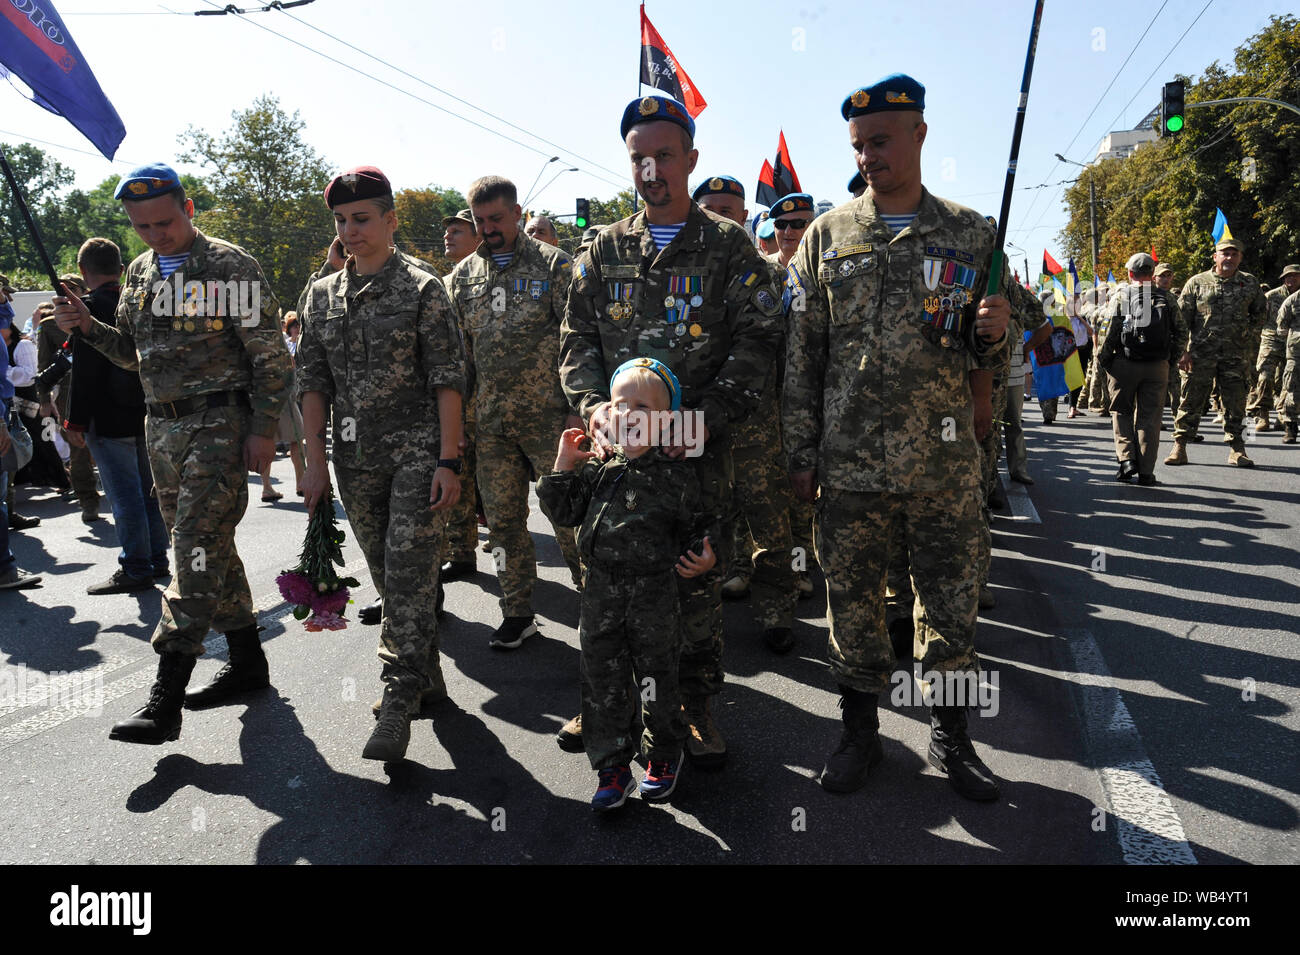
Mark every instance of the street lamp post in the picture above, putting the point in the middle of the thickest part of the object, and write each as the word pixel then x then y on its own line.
pixel 1092 211
pixel 538 179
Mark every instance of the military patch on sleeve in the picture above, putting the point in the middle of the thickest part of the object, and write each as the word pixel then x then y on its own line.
pixel 949 253
pixel 766 302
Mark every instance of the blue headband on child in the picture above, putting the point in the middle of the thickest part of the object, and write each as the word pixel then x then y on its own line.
pixel 659 368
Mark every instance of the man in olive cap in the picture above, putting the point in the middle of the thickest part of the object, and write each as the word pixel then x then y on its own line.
pixel 1272 354
pixel 1225 309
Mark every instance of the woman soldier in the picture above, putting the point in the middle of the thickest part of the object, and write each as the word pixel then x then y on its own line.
pixel 380 349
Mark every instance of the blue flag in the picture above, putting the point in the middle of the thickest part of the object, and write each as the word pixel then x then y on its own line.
pixel 1220 230
pixel 36 47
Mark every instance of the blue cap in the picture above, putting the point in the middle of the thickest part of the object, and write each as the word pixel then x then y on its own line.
pixel 659 368
pixel 650 108
pixel 794 202
pixel 897 91
pixel 146 182
pixel 766 229
pixel 857 183
pixel 719 186
pixel 6 314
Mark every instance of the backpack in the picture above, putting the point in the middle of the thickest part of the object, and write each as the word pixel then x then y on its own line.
pixel 1146 332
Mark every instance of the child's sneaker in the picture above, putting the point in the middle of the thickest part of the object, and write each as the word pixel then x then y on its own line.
pixel 612 789
pixel 661 778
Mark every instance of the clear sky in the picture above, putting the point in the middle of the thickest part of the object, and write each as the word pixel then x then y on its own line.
pixel 564 70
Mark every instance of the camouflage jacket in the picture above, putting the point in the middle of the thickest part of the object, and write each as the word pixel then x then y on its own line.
pixel 762 427
pixel 379 347
pixel 1270 342
pixel 204 338
pixel 1225 315
pixel 870 401
pixel 511 318
pixel 1126 302
pixel 630 299
pixel 634 516
pixel 1288 325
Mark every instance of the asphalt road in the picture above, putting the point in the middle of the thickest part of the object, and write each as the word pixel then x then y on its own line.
pixel 1143 648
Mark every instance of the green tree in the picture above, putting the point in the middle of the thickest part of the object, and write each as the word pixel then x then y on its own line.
pixel 44 182
pixel 1243 159
pixel 419 222
pixel 266 185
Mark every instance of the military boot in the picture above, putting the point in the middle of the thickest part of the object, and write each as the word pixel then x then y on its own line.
pixel 1179 454
pixel 393 731
pixel 1290 436
pixel 703 741
pixel 430 697
pixel 159 721
pixel 952 752
pixel 570 735
pixel 1262 424
pixel 1237 456
pixel 246 671
pixel 848 767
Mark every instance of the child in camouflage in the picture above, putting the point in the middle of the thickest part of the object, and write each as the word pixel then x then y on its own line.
pixel 639 520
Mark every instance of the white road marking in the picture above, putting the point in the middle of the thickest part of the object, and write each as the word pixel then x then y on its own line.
pixel 1022 508
pixel 1149 830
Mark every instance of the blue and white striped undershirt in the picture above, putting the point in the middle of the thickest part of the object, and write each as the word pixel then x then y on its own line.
pixel 502 259
pixel 898 223
pixel 663 234
pixel 170 263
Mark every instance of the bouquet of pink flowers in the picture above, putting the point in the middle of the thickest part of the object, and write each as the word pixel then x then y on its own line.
pixel 318 593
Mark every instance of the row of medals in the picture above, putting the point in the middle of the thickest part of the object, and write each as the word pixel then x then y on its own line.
pixel 621 310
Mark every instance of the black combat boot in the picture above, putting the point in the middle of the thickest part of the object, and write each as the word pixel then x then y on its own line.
pixel 160 719
pixel 847 768
pixel 246 671
pixel 952 752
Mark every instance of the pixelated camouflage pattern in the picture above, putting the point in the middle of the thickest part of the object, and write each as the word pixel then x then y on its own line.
pixel 401 537
pixel 379 347
pixel 199 358
pixel 462 522
pixel 1288 326
pixel 722 369
pixel 867 396
pixel 202 488
pixel 858 535
pixel 512 339
pixel 763 504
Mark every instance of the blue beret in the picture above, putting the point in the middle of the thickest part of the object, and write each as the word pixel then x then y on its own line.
pixel 664 373
pixel 794 202
pixel 857 183
pixel 896 91
pixel 650 108
pixel 719 186
pixel 766 229
pixel 146 182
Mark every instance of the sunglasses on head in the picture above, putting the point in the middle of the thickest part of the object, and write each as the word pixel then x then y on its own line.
pixel 797 224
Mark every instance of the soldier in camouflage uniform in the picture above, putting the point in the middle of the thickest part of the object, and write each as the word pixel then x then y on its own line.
pixel 1096 315
pixel 1026 315
pixel 1225 310
pixel 510 296
pixel 763 499
pixel 888 382
pixel 1164 279
pixel 677 284
pixel 380 351
pixel 198 319
pixel 1288 330
pixel 1272 354
pixel 641 517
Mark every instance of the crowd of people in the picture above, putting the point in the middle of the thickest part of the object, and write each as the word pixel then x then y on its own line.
pixel 709 406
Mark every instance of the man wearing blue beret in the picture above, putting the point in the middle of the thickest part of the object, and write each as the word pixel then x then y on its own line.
pixel 689 289
pixel 889 362
pixel 200 322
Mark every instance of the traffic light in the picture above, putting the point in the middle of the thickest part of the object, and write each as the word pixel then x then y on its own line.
pixel 1171 109
pixel 584 213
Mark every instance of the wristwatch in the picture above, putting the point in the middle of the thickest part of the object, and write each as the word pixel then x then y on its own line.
pixel 454 465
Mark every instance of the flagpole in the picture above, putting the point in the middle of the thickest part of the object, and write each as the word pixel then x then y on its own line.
pixel 640 52
pixel 31 223
pixel 995 268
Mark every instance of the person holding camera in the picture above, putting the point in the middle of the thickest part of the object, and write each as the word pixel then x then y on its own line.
pixel 106 415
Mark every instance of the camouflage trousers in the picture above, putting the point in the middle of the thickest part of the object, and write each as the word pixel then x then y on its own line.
pixel 81 463
pixel 991 446
pixel 1232 376
pixel 1098 390
pixel 1268 383
pixel 202 488
pixel 1175 393
pixel 856 534
pixel 401 538
pixel 700 672
pixel 763 503
pixel 507 464
pixel 631 645
pixel 462 523
pixel 1289 398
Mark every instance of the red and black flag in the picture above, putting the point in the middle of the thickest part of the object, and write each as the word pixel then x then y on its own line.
pixel 766 193
pixel 784 179
pixel 660 69
pixel 1050 265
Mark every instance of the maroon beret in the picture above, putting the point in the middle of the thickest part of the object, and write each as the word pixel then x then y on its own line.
pixel 363 182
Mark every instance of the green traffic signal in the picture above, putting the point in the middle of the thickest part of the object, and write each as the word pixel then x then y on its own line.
pixel 583 212
pixel 580 222
pixel 1174 123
